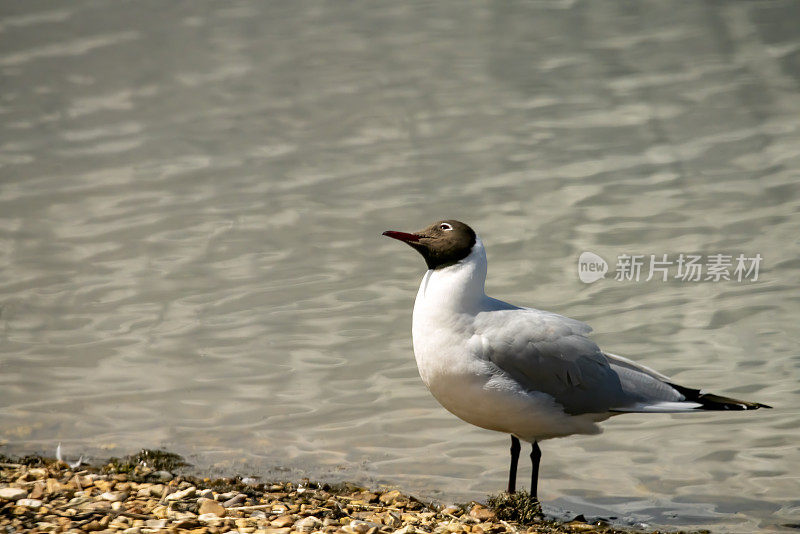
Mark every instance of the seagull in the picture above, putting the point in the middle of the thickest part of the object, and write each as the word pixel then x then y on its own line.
pixel 529 373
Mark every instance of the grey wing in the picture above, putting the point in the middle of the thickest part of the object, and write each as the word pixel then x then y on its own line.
pixel 550 353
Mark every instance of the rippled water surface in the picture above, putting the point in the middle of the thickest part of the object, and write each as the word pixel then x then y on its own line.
pixel 191 202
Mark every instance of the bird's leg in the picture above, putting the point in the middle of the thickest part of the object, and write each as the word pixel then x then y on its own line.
pixel 536 455
pixel 512 473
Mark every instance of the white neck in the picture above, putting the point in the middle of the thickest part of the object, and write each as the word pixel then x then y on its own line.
pixel 458 287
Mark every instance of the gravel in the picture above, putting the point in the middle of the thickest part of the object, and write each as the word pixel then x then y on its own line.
pixel 146 501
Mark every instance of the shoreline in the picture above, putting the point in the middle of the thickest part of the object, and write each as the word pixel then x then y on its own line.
pixel 149 492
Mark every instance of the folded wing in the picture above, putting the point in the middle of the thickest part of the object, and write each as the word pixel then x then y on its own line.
pixel 549 353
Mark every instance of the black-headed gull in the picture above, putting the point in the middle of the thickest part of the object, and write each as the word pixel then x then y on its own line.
pixel 526 372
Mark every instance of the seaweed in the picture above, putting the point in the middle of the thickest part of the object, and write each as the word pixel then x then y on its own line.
pixel 519 507
pixel 157 460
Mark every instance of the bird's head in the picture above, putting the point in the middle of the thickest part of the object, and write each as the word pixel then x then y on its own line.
pixel 442 244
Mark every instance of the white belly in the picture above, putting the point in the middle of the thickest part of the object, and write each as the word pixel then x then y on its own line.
pixel 478 392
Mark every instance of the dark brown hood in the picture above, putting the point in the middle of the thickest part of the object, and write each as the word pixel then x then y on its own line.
pixel 442 244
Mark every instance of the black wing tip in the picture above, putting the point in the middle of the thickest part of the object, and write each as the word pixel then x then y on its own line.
pixel 732 406
pixel 710 401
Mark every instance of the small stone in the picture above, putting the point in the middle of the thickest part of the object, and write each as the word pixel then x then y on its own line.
pixel 162 476
pixel 80 482
pixel 120 522
pixel 97 506
pixel 284 530
pixel 283 521
pixel 37 473
pixel 308 524
pixel 408 529
pixel 53 486
pixel 209 518
pixel 390 496
pixel 132 530
pixel 481 513
pixel 33 504
pixel 451 510
pixel 212 507
pixel 367 496
pixel 362 527
pixel 114 496
pixel 157 490
pixel 160 512
pixel 235 501
pixel 182 516
pixel 155 523
pixel 77 500
pixel 38 491
pixel 104 485
pixel 182 494
pixel 393 520
pixel 12 494
pixel 207 493
pixel 579 526
pixel 186 523
pixel 46 526
pixel 141 471
pixel 93 526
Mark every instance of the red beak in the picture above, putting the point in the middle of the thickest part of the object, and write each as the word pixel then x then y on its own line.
pixel 402 236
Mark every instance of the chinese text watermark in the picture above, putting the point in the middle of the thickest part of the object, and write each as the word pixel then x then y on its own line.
pixel 683 267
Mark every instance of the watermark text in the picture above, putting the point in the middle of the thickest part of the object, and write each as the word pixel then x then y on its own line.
pixel 683 267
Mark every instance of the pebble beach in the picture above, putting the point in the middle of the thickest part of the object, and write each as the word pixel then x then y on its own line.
pixel 147 493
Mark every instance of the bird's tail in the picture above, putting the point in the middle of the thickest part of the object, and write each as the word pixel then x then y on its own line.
pixel 709 401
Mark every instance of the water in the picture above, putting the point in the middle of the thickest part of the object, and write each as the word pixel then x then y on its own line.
pixel 191 202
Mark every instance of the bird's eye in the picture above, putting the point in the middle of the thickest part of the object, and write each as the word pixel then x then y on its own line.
pixel 445 226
